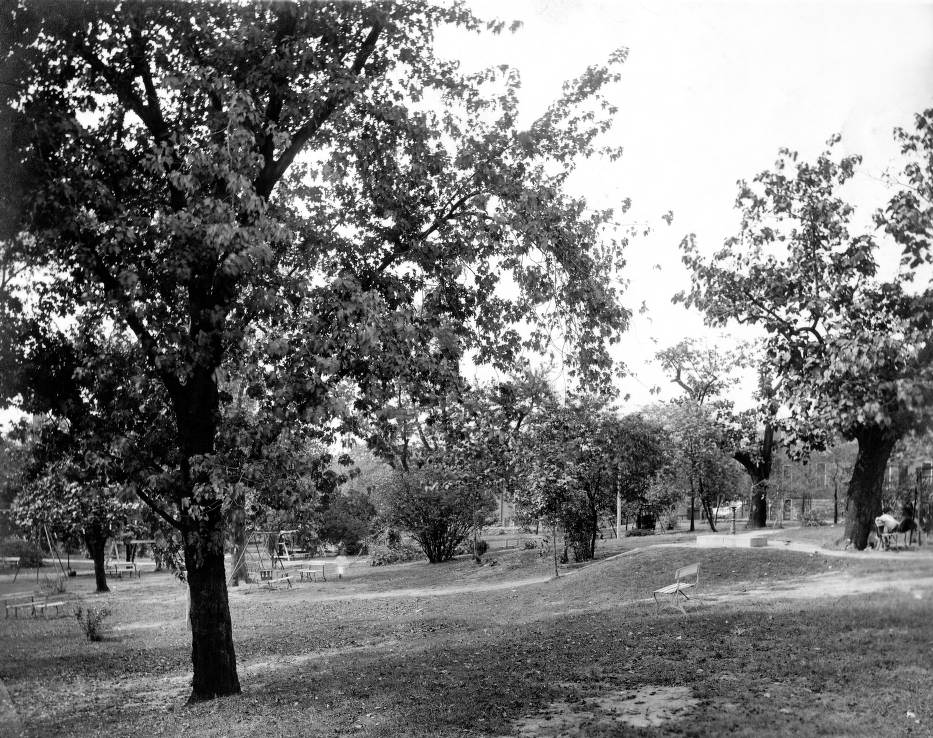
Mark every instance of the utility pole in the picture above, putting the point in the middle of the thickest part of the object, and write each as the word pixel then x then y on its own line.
pixel 618 502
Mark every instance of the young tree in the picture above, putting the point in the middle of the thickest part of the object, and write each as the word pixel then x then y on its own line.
pixel 580 455
pixel 849 350
pixel 311 176
pixel 704 373
pixel 702 461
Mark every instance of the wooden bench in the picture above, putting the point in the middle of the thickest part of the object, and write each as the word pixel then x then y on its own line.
pixel 9 562
pixel 685 578
pixel 58 605
pixel 119 567
pixel 15 607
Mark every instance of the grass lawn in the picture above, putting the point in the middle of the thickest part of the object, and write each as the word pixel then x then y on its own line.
pixel 773 646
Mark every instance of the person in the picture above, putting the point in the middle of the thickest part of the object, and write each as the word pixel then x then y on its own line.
pixel 886 524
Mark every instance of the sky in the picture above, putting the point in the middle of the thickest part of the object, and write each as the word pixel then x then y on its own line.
pixel 710 92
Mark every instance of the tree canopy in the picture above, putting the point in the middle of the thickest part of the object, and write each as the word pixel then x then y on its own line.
pixel 850 349
pixel 302 196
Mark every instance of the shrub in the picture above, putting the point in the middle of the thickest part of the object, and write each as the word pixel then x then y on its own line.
pixel 639 532
pixel 811 518
pixel 54 586
pixel 91 619
pixel 30 555
pixel 529 544
pixel 381 554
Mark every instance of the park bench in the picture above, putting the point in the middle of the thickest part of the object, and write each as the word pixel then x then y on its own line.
pixel 15 607
pixel 58 605
pixel 685 578
pixel 9 562
pixel 121 567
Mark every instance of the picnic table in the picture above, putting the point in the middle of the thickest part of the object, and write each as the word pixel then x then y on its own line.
pixel 312 573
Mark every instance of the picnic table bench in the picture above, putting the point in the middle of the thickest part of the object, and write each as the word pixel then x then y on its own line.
pixel 685 578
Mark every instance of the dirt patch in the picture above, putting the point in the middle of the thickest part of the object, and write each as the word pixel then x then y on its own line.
pixel 650 706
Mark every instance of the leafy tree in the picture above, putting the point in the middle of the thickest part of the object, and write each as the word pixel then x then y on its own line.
pixel 638 451
pixel 76 499
pixel 100 440
pixel 705 373
pixel 701 462
pixel 348 521
pixel 580 455
pixel 304 195
pixel 847 347
pixel 439 506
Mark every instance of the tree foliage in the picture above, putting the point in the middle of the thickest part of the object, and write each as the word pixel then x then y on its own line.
pixel 848 347
pixel 304 196
pixel 579 456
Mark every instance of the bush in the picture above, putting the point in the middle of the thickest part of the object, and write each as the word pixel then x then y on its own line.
pixel 381 554
pixel 30 555
pixel 91 619
pixel 54 586
pixel 529 544
pixel 639 532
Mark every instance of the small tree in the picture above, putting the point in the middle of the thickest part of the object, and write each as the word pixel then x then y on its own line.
pixel 439 507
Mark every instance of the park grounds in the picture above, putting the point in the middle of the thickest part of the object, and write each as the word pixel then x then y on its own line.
pixel 789 639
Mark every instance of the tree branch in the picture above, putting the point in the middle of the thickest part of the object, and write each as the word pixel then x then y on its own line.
pixel 273 169
pixel 159 511
pixel 135 322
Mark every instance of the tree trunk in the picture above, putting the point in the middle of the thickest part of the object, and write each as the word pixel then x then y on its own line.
pixel 835 503
pixel 704 500
pixel 212 652
pixel 97 547
pixel 238 553
pixel 693 502
pixel 865 488
pixel 758 509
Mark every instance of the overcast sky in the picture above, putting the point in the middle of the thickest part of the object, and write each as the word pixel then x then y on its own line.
pixel 710 91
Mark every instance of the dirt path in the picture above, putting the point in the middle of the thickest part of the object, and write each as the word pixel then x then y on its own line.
pixel 828 586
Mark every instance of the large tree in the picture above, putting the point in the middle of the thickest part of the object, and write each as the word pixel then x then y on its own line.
pixel 301 194
pixel 850 349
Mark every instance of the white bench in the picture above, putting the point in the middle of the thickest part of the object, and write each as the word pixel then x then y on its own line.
pixel 686 577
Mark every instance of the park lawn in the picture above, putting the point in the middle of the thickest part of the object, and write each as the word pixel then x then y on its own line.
pixel 478 662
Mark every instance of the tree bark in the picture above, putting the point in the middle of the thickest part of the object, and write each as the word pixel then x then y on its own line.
pixel 212 652
pixel 238 550
pixel 693 502
pixel 865 488
pixel 97 546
